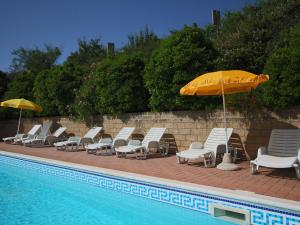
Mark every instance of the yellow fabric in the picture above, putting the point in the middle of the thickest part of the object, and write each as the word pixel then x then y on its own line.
pixel 234 81
pixel 21 104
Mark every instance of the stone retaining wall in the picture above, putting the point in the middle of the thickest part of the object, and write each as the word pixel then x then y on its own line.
pixel 250 130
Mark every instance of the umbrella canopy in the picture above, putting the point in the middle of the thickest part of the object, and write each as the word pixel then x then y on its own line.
pixel 21 103
pixel 221 83
pixel 234 81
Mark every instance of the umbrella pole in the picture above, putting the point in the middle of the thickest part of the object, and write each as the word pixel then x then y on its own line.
pixel 224 115
pixel 19 121
pixel 226 163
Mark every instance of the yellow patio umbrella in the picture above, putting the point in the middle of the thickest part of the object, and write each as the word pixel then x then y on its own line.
pixel 21 104
pixel 221 83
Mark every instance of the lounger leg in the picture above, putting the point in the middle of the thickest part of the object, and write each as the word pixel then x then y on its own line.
pixel 297 169
pixel 119 155
pixel 179 161
pixel 234 154
pixel 209 160
pixel 141 155
pixel 253 168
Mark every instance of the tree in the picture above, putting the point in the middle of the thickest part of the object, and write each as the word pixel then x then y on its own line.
pixel 85 100
pixel 143 43
pixel 20 86
pixel 248 37
pixel 180 58
pixel 119 85
pixel 283 89
pixel 88 53
pixel 26 64
pixel 34 60
pixel 55 89
pixel 3 83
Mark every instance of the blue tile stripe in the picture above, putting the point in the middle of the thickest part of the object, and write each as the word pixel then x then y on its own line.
pixel 175 196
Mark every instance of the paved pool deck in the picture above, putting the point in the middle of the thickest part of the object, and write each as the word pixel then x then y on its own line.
pixel 280 183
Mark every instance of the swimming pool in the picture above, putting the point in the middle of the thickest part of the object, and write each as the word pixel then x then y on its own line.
pixel 35 192
pixel 30 197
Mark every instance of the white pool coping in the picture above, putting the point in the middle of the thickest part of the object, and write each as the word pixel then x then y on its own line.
pixel 226 193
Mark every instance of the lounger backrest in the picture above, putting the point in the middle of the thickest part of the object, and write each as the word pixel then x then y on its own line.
pixel 45 128
pixel 284 142
pixel 124 133
pixel 59 131
pixel 92 133
pixel 154 134
pixel 217 137
pixel 34 129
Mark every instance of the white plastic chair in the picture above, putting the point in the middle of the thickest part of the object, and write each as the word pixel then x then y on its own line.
pixel 30 136
pixel 208 151
pixel 30 133
pixel 283 151
pixel 42 134
pixel 72 144
pixel 108 144
pixel 90 136
pixel 77 141
pixel 151 139
pixel 42 140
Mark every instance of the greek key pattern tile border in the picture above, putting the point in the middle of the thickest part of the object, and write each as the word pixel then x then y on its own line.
pixel 259 214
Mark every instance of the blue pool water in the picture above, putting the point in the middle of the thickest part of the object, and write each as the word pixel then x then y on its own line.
pixel 27 197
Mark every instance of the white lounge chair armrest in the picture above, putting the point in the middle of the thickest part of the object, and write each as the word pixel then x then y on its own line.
pixel 261 151
pixel 298 155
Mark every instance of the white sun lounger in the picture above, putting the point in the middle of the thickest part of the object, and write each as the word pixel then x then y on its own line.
pixel 42 134
pixel 44 128
pixel 283 151
pixel 77 141
pixel 41 140
pixel 151 139
pixel 90 136
pixel 206 153
pixel 30 133
pixel 72 144
pixel 108 144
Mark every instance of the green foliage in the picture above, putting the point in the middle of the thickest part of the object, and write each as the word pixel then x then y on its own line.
pixel 119 85
pixel 55 89
pixel 283 89
pixel 3 88
pixel 20 86
pixel 142 43
pixel 26 64
pixel 181 57
pixel 248 37
pixel 3 83
pixel 34 60
pixel 86 100
pixel 88 52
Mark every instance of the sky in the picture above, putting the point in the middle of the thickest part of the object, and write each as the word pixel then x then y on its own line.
pixel 33 23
